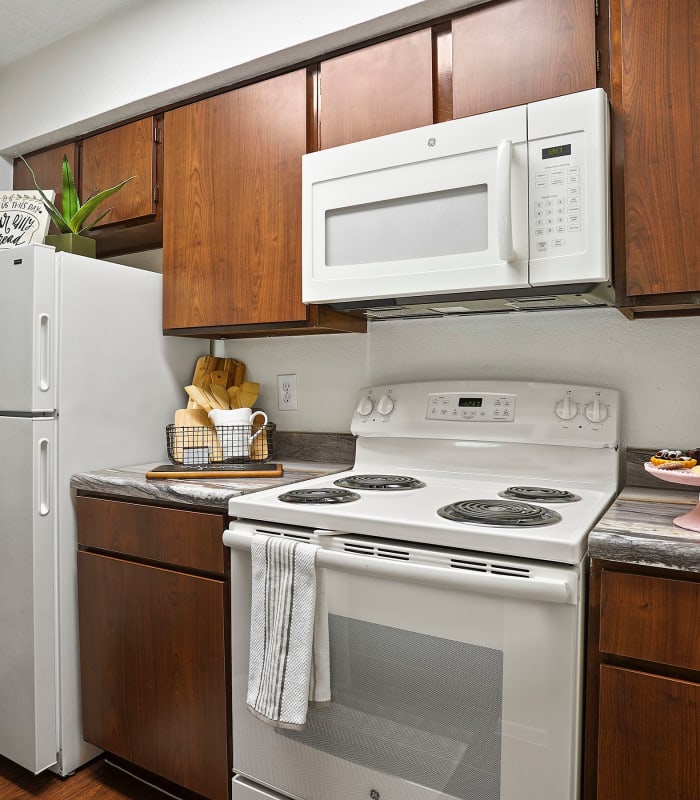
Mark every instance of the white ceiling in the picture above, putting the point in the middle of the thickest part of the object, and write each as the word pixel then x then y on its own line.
pixel 30 25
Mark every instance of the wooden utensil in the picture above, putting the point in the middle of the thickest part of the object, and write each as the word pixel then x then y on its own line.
pixel 259 449
pixel 228 365
pixel 234 397
pixel 248 394
pixel 196 393
pixel 221 395
pixel 211 397
pixel 239 373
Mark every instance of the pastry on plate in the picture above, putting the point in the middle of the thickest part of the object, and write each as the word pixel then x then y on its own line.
pixel 673 459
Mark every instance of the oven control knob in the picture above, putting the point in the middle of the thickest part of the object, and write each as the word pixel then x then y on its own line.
pixel 596 411
pixel 365 406
pixel 385 405
pixel 566 408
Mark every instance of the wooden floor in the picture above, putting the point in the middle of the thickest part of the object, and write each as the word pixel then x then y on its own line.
pixel 96 780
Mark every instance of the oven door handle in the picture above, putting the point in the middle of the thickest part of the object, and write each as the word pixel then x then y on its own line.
pixel 537 588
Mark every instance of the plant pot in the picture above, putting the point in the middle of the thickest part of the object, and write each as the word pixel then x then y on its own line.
pixel 72 243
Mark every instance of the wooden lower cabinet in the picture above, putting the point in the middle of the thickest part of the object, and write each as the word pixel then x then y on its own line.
pixel 153 640
pixel 648 736
pixel 643 686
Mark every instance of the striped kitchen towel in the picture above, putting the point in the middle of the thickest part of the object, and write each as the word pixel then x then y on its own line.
pixel 289 659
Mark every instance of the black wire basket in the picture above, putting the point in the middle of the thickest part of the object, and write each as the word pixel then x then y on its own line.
pixel 224 444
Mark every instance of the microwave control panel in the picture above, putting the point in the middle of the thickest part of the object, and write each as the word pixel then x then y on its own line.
pixel 557 195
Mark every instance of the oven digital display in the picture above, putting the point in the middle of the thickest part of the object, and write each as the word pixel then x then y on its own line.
pixel 555 152
pixel 470 402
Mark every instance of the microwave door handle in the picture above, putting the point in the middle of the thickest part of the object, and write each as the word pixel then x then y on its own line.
pixel 504 222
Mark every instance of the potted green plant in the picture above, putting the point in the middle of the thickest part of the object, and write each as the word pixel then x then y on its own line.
pixel 74 221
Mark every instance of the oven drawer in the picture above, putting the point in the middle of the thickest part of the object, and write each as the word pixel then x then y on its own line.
pixel 650 618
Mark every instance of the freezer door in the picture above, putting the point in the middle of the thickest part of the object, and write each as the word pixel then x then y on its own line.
pixel 28 733
pixel 28 343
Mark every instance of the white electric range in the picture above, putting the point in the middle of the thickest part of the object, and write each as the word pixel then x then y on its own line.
pixel 464 520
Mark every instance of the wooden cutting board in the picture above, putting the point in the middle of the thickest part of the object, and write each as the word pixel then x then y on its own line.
pixel 251 470
pixel 194 430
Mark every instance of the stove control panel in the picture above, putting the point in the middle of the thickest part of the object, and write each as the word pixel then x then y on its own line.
pixel 471 407
pixel 530 412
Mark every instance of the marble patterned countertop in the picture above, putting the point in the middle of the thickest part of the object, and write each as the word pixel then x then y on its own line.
pixel 130 483
pixel 638 528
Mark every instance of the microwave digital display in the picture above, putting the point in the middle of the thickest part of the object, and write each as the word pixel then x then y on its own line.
pixel 555 152
pixel 470 402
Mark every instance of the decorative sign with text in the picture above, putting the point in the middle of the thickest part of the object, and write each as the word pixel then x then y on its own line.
pixel 23 218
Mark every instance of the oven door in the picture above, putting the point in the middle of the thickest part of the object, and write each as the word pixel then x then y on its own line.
pixel 458 681
pixel 439 209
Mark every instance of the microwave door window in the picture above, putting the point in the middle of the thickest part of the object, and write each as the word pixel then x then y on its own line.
pixel 444 223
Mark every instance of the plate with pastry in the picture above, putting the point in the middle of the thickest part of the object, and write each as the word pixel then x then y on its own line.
pixel 678 466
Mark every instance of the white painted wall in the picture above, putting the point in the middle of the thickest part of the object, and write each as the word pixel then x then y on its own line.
pixel 164 51
pixel 654 363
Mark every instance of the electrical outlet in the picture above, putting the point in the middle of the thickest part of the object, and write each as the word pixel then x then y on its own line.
pixel 287 392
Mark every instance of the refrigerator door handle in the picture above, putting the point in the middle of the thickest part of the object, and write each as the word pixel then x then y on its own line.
pixel 44 355
pixel 44 482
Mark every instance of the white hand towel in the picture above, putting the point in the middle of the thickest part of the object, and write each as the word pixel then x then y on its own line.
pixel 289 660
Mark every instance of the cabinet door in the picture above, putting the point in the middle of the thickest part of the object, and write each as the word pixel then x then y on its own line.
pixel 111 157
pixel 48 168
pixel 650 618
pixel 153 664
pixel 648 737
pixel 232 235
pixel 509 53
pixel 655 95
pixel 380 89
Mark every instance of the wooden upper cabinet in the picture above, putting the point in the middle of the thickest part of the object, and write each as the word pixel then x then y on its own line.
pixel 232 247
pixel 655 96
pixel 518 51
pixel 380 89
pixel 232 233
pixel 110 157
pixel 47 166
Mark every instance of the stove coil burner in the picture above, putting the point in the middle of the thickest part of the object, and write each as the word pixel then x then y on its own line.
pixel 543 495
pixel 387 483
pixel 505 513
pixel 323 496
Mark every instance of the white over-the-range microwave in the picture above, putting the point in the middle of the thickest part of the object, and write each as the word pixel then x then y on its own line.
pixel 508 210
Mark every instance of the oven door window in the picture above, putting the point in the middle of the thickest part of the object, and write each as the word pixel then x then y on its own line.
pixel 424 709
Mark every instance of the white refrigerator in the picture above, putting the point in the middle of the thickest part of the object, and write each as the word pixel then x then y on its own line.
pixel 87 381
